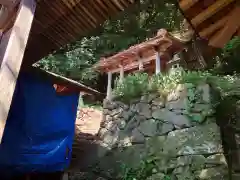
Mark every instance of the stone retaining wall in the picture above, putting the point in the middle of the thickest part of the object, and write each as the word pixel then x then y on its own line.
pixel 178 130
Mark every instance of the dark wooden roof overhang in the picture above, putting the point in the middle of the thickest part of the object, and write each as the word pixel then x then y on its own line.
pixel 60 22
pixel 213 20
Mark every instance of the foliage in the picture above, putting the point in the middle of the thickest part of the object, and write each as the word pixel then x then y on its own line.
pixel 135 85
pixel 75 64
pixel 227 109
pixel 146 168
pixel 134 26
pixel 231 49
pixel 163 83
pixel 228 61
pixel 93 105
pixel 132 86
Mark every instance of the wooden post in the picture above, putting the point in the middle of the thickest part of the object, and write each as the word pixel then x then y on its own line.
pixel 109 86
pixel 65 176
pixel 140 65
pixel 121 74
pixel 80 100
pixel 12 48
pixel 158 63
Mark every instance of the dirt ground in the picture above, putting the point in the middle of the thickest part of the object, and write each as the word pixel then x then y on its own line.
pixel 86 129
pixel 88 120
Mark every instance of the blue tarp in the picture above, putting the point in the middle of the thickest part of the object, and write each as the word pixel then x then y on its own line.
pixel 40 128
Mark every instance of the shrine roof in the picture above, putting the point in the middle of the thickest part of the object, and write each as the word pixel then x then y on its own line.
pixel 163 42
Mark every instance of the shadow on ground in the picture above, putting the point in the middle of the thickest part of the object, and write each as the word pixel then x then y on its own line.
pixel 85 154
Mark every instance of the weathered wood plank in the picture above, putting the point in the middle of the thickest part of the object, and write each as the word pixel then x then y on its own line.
pixel 211 10
pixel 4 15
pixel 12 51
pixel 186 4
pixel 7 16
pixel 212 28
pixel 134 64
pixel 9 3
pixel 230 28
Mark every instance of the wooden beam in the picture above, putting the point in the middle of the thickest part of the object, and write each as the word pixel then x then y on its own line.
pixel 230 28
pixel 210 29
pixel 134 64
pixel 186 4
pixel 211 10
pixel 12 51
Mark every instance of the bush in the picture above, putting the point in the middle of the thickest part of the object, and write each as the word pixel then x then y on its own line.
pixel 132 86
pixel 135 85
pixel 146 168
pixel 165 83
pixel 228 62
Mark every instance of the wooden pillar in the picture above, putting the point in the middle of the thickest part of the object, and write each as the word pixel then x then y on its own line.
pixel 80 100
pixel 158 63
pixel 109 86
pixel 65 176
pixel 121 74
pixel 13 45
pixel 140 63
